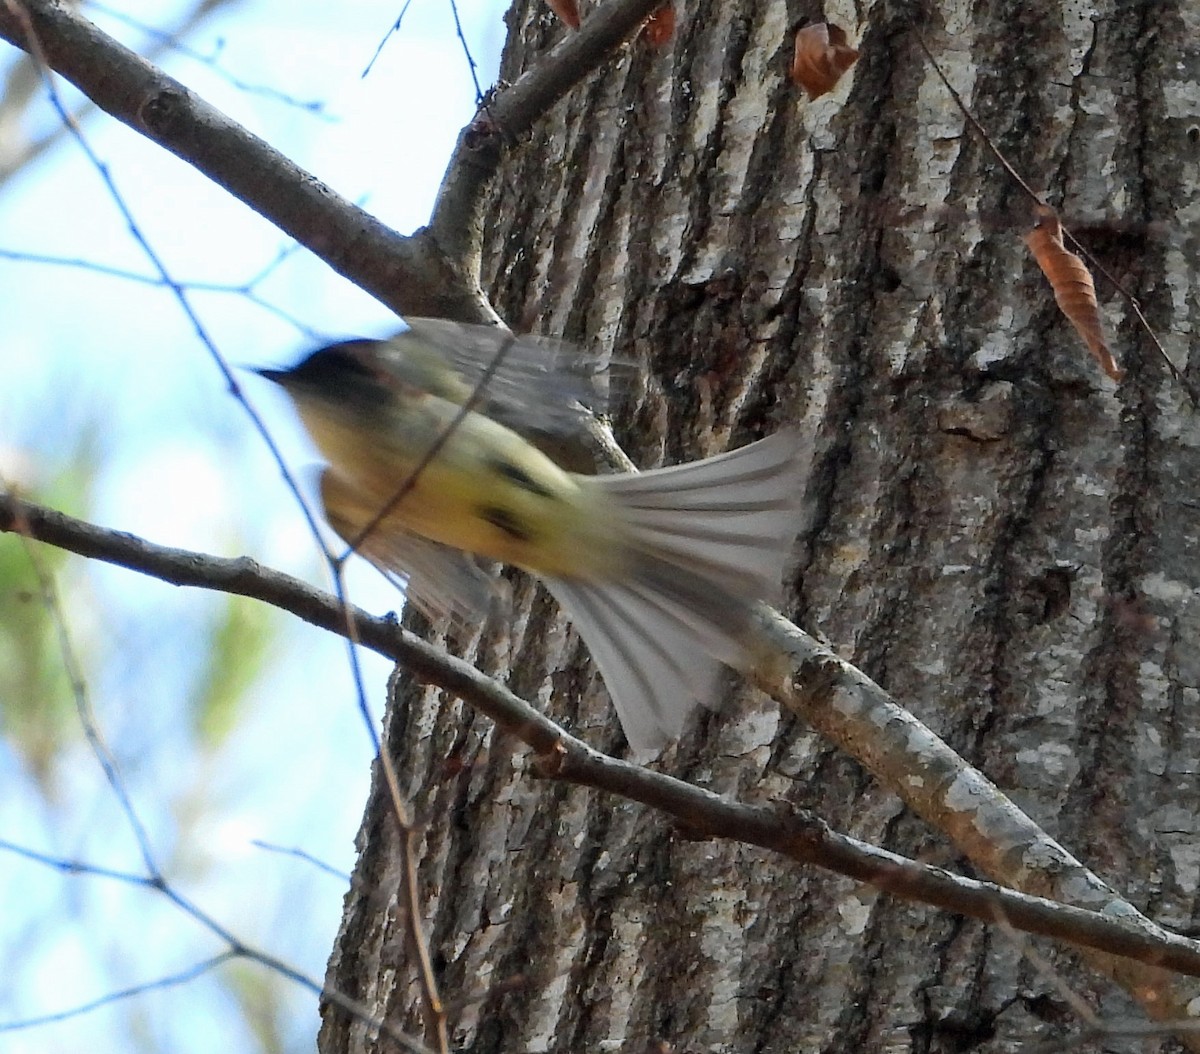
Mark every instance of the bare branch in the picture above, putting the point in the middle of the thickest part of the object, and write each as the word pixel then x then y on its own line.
pixel 170 981
pixel 852 711
pixel 16 157
pixel 173 41
pixel 407 274
pixel 432 273
pixel 245 290
pixel 797 835
pixel 301 854
pixel 235 949
pixel 83 706
pixel 394 28
pixel 457 223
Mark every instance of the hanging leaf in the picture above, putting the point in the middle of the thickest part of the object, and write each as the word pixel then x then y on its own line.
pixel 822 55
pixel 1074 290
pixel 567 10
pixel 659 28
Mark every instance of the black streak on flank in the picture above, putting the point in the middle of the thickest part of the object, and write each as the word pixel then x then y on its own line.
pixel 517 475
pixel 505 521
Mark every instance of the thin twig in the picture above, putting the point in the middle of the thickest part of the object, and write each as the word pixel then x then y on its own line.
pixel 235 947
pixel 405 273
pixel 30 151
pixel 168 981
pixel 395 28
pixel 431 1000
pixel 172 41
pixel 301 854
pixel 1094 1025
pixel 244 290
pixel 1095 264
pixel 83 705
pixel 794 834
pixel 34 46
pixel 472 65
pixel 437 1016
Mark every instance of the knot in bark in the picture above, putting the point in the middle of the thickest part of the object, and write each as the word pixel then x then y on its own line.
pixel 162 114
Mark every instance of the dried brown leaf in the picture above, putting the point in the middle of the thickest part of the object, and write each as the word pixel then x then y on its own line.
pixel 659 28
pixel 567 10
pixel 822 55
pixel 1074 290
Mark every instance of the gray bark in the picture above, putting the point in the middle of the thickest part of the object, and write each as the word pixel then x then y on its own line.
pixel 998 534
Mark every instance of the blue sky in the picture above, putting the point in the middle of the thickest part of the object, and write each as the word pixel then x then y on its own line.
pixel 101 369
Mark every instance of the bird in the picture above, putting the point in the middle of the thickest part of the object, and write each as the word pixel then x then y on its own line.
pixel 427 471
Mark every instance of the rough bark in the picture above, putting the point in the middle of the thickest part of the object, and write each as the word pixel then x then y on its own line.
pixel 998 534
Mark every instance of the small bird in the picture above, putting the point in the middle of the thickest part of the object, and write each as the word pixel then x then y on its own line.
pixel 658 570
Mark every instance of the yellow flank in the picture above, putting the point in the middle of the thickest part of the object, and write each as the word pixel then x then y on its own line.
pixel 658 571
pixel 486 490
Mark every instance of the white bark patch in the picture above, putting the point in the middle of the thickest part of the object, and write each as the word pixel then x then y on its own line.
pixel 998 345
pixel 1092 537
pixel 1178 279
pixel 1047 765
pixel 742 127
pixel 1168 590
pixel 968 794
pixel 1182 98
pixel 846 702
pixel 1148 743
pixel 621 981
pixel 1186 859
pixel 754 729
pixel 1079 30
pixel 1056 697
pixel 855 915
pixel 723 943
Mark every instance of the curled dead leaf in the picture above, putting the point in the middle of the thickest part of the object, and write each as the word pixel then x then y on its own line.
pixel 822 55
pixel 567 10
pixel 1074 290
pixel 659 28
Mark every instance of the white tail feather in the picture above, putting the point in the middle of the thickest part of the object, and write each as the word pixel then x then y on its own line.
pixel 649 660
pixel 709 539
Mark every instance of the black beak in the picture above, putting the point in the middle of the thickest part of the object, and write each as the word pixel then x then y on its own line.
pixel 278 376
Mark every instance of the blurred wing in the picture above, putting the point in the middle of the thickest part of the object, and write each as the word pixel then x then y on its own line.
pixel 440 581
pixel 540 384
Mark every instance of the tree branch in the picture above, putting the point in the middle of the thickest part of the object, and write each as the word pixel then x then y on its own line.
pixel 409 275
pixel 791 833
pixel 457 223
pixel 852 711
pixel 413 275
pixel 20 152
pixel 435 272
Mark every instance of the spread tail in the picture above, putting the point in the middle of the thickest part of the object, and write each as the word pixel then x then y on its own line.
pixel 710 539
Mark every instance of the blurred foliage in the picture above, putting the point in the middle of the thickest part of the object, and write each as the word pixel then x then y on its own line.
pixel 258 992
pixel 236 655
pixel 37 703
pixel 37 713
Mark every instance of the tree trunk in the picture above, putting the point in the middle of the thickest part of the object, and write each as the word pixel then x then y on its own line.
pixel 996 532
